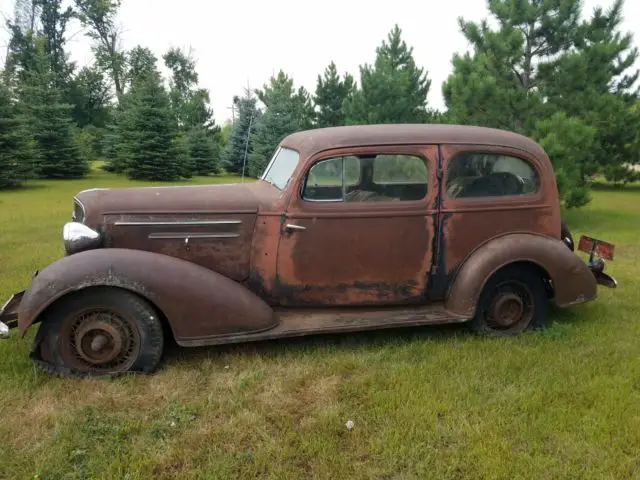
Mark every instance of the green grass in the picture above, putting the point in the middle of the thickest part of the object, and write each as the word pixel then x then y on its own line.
pixel 426 403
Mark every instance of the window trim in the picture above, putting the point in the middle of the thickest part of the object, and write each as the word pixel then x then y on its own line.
pixel 492 198
pixel 331 156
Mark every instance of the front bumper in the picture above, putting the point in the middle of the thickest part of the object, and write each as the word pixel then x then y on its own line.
pixel 9 314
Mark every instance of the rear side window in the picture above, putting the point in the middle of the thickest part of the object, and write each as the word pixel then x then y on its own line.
pixel 473 175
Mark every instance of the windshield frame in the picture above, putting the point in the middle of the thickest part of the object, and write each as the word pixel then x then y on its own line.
pixel 273 160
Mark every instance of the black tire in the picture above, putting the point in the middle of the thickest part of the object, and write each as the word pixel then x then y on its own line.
pixel 100 332
pixel 513 301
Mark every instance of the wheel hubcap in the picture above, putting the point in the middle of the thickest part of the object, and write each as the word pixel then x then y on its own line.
pixel 511 307
pixel 507 309
pixel 100 339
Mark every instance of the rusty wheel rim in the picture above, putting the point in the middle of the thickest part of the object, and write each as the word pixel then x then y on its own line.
pixel 511 307
pixel 99 340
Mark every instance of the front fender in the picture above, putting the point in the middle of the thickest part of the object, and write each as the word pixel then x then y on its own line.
pixel 572 280
pixel 197 302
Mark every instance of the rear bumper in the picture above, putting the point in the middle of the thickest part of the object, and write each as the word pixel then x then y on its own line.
pixel 604 279
pixel 9 314
pixel 598 250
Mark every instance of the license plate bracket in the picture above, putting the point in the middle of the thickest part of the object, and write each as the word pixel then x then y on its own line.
pixel 596 248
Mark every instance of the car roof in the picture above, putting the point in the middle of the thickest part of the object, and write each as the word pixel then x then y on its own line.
pixel 310 142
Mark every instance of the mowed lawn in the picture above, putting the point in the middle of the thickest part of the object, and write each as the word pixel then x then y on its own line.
pixel 426 403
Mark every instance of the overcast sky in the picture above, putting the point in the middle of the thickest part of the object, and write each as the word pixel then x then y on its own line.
pixel 243 42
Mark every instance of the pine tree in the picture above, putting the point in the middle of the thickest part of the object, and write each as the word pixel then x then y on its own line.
pixel 499 83
pixel 569 143
pixel 114 135
pixel 330 96
pixel 18 152
pixel 204 152
pixel 181 154
pixel 543 69
pixel 594 81
pixel 148 147
pixel 393 90
pixel 240 140
pixel 287 111
pixel 50 122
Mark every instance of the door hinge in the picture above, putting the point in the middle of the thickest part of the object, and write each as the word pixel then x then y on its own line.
pixel 439 173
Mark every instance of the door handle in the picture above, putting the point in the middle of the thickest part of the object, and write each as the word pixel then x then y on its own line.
pixel 293 226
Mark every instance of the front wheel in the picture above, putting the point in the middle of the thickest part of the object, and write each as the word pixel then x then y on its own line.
pixel 512 301
pixel 100 332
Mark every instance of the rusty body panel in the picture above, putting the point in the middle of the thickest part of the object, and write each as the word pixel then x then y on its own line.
pixel 220 242
pixel 197 302
pixel 573 283
pixel 209 225
pixel 310 142
pixel 222 198
pixel 469 222
pixel 357 253
pixel 300 322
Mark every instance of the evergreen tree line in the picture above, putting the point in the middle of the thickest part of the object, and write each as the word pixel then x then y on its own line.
pixel 55 117
pixel 547 69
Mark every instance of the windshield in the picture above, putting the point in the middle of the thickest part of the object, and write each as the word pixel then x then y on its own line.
pixel 281 167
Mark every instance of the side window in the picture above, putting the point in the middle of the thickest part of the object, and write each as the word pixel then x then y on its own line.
pixel 472 175
pixel 326 179
pixel 399 169
pixel 367 178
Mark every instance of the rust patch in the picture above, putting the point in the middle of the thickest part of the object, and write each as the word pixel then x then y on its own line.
pixel 355 260
pixel 264 256
pixel 300 322
pixel 367 293
pixel 221 243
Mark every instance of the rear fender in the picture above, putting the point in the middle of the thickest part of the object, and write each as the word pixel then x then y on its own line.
pixel 571 278
pixel 196 302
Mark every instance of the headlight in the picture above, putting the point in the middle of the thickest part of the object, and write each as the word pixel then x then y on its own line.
pixel 78 237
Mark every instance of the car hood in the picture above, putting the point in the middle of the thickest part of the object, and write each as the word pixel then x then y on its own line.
pixel 222 198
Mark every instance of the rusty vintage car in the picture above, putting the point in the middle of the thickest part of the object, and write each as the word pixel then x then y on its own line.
pixel 349 228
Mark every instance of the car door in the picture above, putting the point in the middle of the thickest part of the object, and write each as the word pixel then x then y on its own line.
pixel 358 229
pixel 489 191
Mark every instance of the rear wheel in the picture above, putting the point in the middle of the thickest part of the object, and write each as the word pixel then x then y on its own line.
pixel 512 301
pixel 100 332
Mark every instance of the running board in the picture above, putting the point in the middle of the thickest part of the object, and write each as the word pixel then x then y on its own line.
pixel 301 322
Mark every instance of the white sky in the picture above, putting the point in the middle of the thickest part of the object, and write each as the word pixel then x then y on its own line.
pixel 243 42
